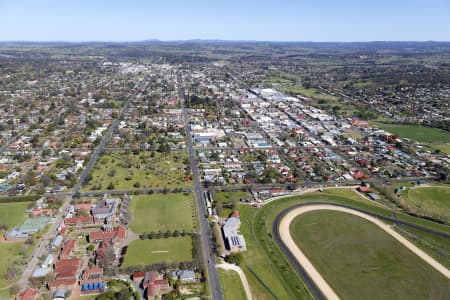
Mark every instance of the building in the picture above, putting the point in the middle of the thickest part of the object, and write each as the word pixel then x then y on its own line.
pixel 69 246
pixel 57 242
pixel 92 280
pixel 155 285
pixel 183 275
pixel 106 208
pixel 80 221
pixel 233 240
pixel 118 235
pixel 28 294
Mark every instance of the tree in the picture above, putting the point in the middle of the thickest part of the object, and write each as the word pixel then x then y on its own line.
pixel 110 186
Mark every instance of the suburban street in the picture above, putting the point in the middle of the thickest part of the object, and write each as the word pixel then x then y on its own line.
pixel 52 232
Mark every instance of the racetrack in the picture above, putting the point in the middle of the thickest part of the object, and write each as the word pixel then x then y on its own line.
pixel 319 287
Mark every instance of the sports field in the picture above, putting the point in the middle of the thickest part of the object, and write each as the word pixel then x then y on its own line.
pixel 144 252
pixel 359 260
pixel 418 133
pixel 174 211
pixel 13 214
pixel 231 285
pixel 434 200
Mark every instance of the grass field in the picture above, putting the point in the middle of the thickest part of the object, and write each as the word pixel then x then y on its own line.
pixel 231 285
pixel 359 260
pixel 162 212
pixel 127 171
pixel 434 200
pixel 13 214
pixel 268 262
pixel 8 254
pixel 445 148
pixel 418 133
pixel 144 252
pixel 228 199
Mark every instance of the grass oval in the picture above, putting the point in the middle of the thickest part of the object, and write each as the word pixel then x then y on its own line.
pixel 361 261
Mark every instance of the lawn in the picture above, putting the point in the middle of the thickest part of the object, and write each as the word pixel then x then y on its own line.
pixel 224 201
pixel 13 214
pixel 359 260
pixel 418 133
pixel 162 212
pixel 9 252
pixel 268 262
pixel 434 200
pixel 231 285
pixel 445 148
pixel 126 171
pixel 145 252
pixel 309 92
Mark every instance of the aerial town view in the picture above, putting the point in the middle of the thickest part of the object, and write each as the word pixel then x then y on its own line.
pixel 225 151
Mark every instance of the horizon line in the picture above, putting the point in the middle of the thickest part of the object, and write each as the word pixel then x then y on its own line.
pixel 219 40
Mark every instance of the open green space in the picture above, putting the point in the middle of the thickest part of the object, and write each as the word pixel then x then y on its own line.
pixel 418 133
pixel 226 201
pixel 271 266
pixel 445 148
pixel 13 214
pixel 434 200
pixel 359 260
pixel 231 285
pixel 174 211
pixel 145 252
pixel 128 171
pixel 10 253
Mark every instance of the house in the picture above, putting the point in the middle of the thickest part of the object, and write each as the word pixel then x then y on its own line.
pixel 184 275
pixel 138 277
pixel 155 285
pixel 364 189
pixel 28 294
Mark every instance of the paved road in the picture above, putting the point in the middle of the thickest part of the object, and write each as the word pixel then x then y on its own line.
pixel 315 282
pixel 52 232
pixel 241 274
pixel 213 277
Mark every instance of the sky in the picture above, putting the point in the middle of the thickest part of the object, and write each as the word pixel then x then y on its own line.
pixel 267 20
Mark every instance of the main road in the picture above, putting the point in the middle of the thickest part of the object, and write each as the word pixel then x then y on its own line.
pixel 208 260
